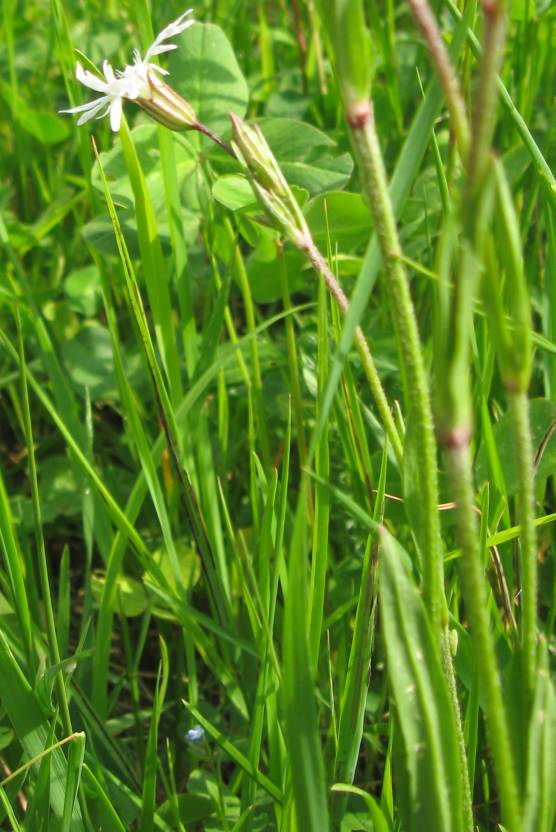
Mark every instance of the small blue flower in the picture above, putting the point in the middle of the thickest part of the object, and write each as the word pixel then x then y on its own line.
pixel 195 734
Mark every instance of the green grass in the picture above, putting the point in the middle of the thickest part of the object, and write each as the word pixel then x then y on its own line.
pixel 203 521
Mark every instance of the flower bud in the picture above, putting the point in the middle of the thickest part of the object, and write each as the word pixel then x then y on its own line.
pixel 267 180
pixel 164 104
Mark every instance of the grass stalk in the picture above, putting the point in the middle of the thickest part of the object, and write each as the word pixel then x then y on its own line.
pixel 458 458
pixel 444 69
pixel 375 186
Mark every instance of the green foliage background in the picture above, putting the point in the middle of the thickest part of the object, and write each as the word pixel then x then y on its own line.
pixel 148 318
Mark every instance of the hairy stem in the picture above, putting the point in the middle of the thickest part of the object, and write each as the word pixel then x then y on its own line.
pixel 426 21
pixel 375 185
pixel 476 603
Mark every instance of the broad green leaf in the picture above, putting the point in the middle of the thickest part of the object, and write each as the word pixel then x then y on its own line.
pixel 306 155
pixel 190 808
pixel 99 233
pixel 89 360
pixel 234 192
pixel 43 125
pixel 206 73
pixel 145 141
pixel 341 217
pixel 265 278
pixel 83 290
pixel 130 598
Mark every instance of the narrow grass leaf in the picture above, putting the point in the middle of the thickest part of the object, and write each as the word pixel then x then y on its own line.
pixel 301 726
pixel 104 811
pixel 422 701
pixel 74 766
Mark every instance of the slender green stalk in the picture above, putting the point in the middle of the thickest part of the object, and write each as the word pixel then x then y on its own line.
pixel 449 672
pixel 485 105
pixel 521 429
pixel 473 582
pixel 429 28
pixel 375 185
pixel 38 757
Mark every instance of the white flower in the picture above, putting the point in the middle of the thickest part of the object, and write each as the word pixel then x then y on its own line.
pixel 134 82
pixel 136 73
pixel 114 90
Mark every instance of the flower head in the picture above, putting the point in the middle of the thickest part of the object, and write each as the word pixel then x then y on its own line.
pixel 138 74
pixel 267 180
pixel 195 734
pixel 113 90
pixel 138 82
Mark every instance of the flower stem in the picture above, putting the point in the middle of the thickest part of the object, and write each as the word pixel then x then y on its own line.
pixel 431 33
pixel 375 185
pixel 202 128
pixel 476 602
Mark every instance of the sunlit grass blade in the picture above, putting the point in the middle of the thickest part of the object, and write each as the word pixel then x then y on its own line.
pixel 75 763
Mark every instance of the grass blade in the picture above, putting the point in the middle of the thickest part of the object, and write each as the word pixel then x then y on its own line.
pixel 419 688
